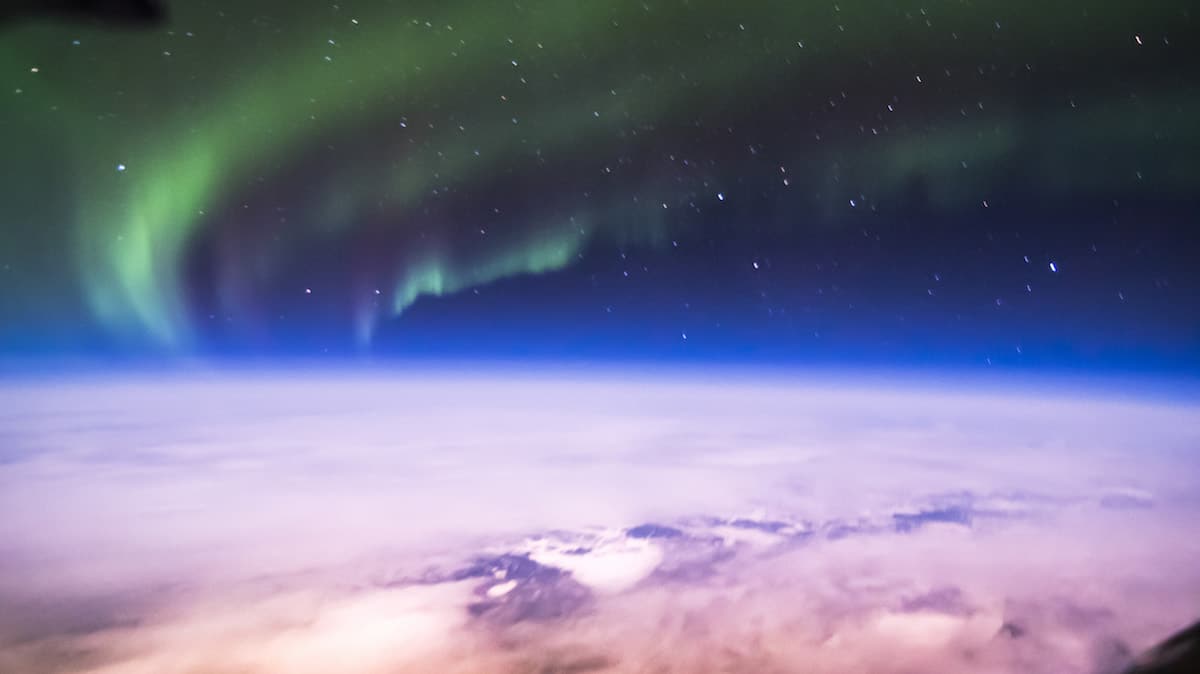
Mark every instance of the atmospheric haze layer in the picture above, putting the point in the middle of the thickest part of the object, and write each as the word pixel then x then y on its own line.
pixel 457 522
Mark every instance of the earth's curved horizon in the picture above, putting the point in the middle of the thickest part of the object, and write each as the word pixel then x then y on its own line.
pixel 457 522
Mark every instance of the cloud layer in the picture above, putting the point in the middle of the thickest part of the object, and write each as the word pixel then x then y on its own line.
pixel 437 521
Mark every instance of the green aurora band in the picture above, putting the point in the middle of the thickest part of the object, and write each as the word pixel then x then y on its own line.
pixel 201 111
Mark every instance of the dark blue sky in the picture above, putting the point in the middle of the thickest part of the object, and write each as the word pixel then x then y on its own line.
pixel 946 186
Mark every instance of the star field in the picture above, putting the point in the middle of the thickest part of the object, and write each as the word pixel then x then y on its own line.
pixel 986 184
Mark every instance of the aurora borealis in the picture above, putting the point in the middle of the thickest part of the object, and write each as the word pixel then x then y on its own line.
pixel 614 336
pixel 770 178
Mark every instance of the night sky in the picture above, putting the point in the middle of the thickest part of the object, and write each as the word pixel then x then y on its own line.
pixel 1005 184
